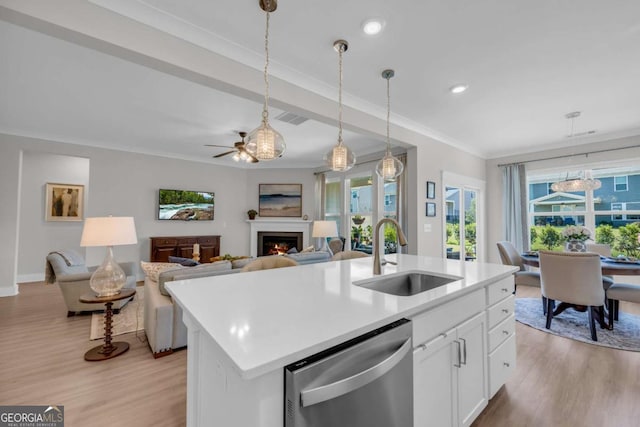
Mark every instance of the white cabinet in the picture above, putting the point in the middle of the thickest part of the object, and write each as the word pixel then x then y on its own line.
pixel 502 329
pixel 450 375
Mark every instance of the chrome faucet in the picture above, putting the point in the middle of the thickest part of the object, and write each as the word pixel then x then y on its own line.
pixel 376 238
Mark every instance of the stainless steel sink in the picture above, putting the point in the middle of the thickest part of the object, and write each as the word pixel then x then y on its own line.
pixel 406 284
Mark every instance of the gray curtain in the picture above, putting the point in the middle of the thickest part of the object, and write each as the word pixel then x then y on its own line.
pixel 514 199
pixel 320 196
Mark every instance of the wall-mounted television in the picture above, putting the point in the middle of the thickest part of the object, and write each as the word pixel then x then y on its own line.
pixel 183 205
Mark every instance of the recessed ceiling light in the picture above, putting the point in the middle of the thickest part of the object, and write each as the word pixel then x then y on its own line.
pixel 372 26
pixel 458 88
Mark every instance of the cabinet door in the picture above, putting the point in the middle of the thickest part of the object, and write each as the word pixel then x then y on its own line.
pixel 434 382
pixel 472 375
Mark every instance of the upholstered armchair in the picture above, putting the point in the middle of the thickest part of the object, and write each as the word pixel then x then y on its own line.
pixel 67 268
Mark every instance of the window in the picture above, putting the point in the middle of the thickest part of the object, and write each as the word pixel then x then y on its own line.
pixel 621 183
pixel 616 203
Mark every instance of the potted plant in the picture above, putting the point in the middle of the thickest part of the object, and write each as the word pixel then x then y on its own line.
pixel 575 235
pixel 252 213
pixel 357 219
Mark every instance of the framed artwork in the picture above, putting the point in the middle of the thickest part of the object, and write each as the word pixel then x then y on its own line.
pixel 280 200
pixel 64 202
pixel 431 209
pixel 431 190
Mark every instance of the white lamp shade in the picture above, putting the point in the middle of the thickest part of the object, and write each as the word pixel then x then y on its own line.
pixel 324 229
pixel 109 231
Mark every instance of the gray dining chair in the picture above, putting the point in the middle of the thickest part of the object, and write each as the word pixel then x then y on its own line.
pixel 510 256
pixel 573 278
pixel 605 251
pixel 620 292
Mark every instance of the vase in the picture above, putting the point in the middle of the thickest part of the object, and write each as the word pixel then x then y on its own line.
pixel 575 246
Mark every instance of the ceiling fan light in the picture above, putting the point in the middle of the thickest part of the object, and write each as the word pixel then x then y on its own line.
pixel 236 157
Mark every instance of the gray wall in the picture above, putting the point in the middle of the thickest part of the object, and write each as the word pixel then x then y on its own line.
pixel 37 236
pixel 122 184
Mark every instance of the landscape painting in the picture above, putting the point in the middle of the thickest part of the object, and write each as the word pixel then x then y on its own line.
pixel 184 205
pixel 280 200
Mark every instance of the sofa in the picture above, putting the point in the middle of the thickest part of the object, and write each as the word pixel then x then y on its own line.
pixel 163 319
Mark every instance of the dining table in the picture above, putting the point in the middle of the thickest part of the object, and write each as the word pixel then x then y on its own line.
pixel 610 267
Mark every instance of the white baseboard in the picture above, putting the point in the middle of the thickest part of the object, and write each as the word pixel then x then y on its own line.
pixel 26 278
pixel 9 292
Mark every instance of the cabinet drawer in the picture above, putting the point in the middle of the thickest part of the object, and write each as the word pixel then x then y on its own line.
pixel 208 240
pixel 165 242
pixel 500 290
pixel 500 311
pixel 187 241
pixel 501 332
pixel 502 363
pixel 432 322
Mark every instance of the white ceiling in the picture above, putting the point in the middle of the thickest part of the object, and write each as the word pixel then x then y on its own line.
pixel 527 64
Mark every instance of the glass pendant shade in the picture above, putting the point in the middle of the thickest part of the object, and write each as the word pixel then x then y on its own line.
pixel 109 277
pixel 389 167
pixel 265 143
pixel 340 158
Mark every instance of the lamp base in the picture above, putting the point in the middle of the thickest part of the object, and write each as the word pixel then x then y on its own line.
pixel 109 278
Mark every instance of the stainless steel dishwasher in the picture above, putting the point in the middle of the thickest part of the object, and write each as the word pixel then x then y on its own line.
pixel 364 382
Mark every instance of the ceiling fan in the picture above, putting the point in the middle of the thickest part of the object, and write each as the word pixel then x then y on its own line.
pixel 239 151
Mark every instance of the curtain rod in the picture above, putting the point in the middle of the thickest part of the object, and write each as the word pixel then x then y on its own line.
pixel 586 154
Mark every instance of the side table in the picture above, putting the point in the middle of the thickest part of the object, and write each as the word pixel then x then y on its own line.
pixel 107 350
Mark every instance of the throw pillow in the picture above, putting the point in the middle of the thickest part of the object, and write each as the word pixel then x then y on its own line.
pixel 153 269
pixel 239 263
pixel 308 249
pixel 185 262
pixel 292 251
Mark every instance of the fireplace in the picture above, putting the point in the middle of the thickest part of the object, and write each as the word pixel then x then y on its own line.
pixel 278 242
pixel 278 226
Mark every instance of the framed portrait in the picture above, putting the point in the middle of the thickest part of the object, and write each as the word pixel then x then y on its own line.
pixel 431 209
pixel 64 202
pixel 284 200
pixel 431 190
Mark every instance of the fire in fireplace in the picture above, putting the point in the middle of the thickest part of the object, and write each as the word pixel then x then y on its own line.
pixel 278 242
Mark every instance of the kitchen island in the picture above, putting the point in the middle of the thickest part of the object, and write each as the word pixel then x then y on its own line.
pixel 244 328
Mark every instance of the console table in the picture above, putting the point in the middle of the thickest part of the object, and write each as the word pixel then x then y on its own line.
pixel 182 246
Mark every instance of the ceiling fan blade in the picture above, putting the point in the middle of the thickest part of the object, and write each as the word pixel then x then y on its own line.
pixel 224 154
pixel 221 146
pixel 253 158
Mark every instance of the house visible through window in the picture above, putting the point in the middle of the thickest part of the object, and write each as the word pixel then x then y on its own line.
pixel 621 183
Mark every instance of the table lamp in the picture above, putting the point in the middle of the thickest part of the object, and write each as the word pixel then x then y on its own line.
pixel 324 229
pixel 110 231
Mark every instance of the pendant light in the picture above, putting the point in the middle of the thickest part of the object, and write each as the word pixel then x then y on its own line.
pixel 585 183
pixel 389 168
pixel 264 142
pixel 340 158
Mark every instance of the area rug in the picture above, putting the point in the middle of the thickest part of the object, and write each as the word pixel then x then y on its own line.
pixel 130 318
pixel 575 325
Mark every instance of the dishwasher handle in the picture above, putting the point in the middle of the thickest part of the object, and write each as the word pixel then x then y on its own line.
pixel 344 386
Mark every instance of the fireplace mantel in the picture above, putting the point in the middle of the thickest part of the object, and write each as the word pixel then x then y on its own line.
pixel 290 225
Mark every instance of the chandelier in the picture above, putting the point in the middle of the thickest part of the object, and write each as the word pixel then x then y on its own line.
pixel 340 158
pixel 264 142
pixel 389 168
pixel 577 184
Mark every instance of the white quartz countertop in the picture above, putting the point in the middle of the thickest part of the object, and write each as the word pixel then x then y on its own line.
pixel 267 319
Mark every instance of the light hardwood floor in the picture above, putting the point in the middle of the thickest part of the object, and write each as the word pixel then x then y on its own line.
pixel 558 382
